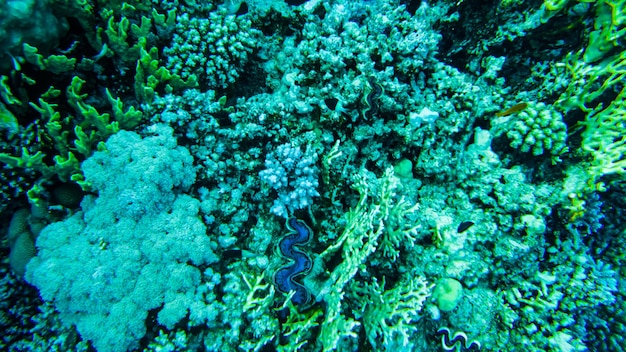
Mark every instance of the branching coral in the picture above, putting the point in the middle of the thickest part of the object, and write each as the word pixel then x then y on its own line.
pixel 389 315
pixel 598 73
pixel 365 226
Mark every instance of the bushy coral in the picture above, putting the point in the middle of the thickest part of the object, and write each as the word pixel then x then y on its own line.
pixel 103 266
pixel 573 296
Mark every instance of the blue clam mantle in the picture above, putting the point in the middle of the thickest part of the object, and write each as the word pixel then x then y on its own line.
pixel 284 278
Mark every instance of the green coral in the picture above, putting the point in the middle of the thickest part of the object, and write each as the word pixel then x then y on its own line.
pixel 388 315
pixel 366 225
pixel 604 139
pixel 67 136
pixel 385 313
pixel 609 30
pixel 150 76
pixel 72 125
pixel 7 119
pixel 6 93
pixel 53 63
pixel 296 330
pixel 597 75
pixel 538 129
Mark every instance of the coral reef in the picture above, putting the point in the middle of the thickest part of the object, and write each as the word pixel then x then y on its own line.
pixel 312 175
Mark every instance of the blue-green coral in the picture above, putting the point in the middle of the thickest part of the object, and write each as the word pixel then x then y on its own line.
pixel 402 109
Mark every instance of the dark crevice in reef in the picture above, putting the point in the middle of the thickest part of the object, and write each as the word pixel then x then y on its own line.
pixel 464 40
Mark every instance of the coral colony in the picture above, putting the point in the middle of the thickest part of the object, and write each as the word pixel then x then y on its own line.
pixel 293 175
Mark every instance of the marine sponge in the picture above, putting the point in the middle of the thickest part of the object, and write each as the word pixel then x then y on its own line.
pixel 21 241
pixel 22 250
pixel 447 294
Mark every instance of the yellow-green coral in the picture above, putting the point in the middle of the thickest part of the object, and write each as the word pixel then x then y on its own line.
pixel 603 136
pixel 67 134
pixel 6 94
pixel 596 91
pixel 297 329
pixel 7 119
pixel 388 315
pixel 259 302
pixel 119 32
pixel 90 116
pixel 365 226
pixel 150 75
pixel 609 29
pixel 336 326
pixel 604 139
pixel 53 63
pixel 597 76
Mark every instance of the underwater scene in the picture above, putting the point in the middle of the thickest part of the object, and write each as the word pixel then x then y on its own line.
pixel 290 175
